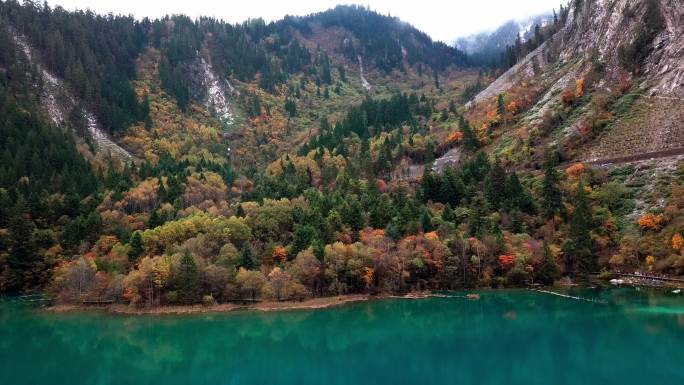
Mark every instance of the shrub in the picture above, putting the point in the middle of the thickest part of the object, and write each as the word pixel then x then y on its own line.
pixel 208 300
pixel 650 221
pixel 568 97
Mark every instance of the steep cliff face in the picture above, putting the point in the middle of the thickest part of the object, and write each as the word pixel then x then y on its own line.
pixel 629 55
pixel 628 33
pixel 607 31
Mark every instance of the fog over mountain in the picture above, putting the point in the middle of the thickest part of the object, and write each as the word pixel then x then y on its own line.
pixel 505 35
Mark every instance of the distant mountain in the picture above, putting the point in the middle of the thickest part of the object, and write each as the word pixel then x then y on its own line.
pixel 495 42
pixel 387 42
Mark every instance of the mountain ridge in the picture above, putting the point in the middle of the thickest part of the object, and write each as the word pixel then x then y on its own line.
pixel 339 152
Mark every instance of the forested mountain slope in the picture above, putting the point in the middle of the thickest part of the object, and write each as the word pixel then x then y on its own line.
pixel 294 158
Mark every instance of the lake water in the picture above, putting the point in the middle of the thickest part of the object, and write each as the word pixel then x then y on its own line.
pixel 507 337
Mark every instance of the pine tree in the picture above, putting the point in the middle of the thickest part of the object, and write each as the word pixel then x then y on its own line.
pixel 551 193
pixel 501 106
pixel 188 280
pixel 137 248
pixel 470 140
pixel 393 231
pixel 477 218
pixel 431 185
pixel 516 195
pixel 426 221
pixel 577 248
pixel 290 107
pixel 448 213
pixel 247 258
pixel 5 207
pixel 22 258
pixel 452 107
pixel 154 220
pixel 343 76
pixel 452 188
pixel 495 185
pixel 240 212
pixel 549 271
pixel 326 76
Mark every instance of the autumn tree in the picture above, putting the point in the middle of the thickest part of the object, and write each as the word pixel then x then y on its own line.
pixel 250 282
pixel 215 278
pixel 279 281
pixel 306 268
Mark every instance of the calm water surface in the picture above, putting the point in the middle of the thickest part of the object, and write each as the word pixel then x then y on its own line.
pixel 507 337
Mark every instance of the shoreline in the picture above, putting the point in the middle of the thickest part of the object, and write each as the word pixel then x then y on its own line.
pixel 314 303
pixel 264 306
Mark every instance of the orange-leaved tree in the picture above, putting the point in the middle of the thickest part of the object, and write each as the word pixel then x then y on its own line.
pixel 575 171
pixel 279 254
pixel 677 241
pixel 650 221
pixel 506 261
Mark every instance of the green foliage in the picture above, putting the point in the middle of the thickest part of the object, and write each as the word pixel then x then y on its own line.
pixel 551 193
pixel 290 107
pixel 325 209
pixel 188 280
pixel 381 39
pixel 137 248
pixel 495 186
pixel 470 139
pixel 477 217
pixel 95 55
pixel 578 248
pixel 549 271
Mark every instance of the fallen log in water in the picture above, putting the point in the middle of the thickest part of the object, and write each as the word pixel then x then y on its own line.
pixel 571 296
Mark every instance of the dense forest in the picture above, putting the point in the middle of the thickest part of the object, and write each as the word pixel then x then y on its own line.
pixel 185 221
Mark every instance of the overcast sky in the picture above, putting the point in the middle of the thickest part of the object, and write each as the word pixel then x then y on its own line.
pixel 442 20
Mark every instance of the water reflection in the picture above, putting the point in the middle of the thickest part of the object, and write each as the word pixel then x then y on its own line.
pixel 506 337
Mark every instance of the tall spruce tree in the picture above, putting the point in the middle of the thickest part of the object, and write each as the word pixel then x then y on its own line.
pixel 188 280
pixel 477 218
pixel 470 140
pixel 549 271
pixel 495 185
pixel 136 249
pixel 551 192
pixel 501 106
pixel 577 248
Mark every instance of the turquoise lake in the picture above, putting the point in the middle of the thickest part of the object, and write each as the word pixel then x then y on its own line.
pixel 507 337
